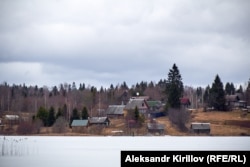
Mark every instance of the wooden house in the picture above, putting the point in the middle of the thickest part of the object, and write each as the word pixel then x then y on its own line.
pixel 80 125
pixel 156 128
pixel 235 101
pixel 115 111
pixel 104 121
pixel 140 103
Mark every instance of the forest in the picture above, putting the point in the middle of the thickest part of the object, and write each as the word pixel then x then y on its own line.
pixel 23 98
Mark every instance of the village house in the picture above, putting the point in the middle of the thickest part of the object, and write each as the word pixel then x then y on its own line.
pixel 156 128
pixel 104 121
pixel 155 109
pixel 115 111
pixel 200 128
pixel 80 125
pixel 235 101
pixel 154 105
pixel 140 103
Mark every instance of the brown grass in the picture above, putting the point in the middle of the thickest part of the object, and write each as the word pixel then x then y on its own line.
pixel 233 123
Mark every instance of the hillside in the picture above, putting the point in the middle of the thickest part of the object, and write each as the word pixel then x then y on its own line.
pixel 234 123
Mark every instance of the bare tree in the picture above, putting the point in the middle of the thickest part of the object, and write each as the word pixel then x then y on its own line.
pixel 179 117
pixel 60 126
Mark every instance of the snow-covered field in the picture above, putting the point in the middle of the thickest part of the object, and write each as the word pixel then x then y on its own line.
pixel 48 151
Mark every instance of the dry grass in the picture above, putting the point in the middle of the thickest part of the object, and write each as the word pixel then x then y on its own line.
pixel 234 123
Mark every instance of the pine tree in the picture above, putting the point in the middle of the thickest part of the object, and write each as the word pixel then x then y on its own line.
pixel 229 89
pixel 206 94
pixel 51 117
pixel 174 87
pixel 59 113
pixel 137 114
pixel 248 93
pixel 85 113
pixel 43 114
pixel 217 94
pixel 74 115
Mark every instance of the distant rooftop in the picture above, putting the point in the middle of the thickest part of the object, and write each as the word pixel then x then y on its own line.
pixel 115 109
pixel 97 120
pixel 80 122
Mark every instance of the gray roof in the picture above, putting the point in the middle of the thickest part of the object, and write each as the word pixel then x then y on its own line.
pixel 83 122
pixel 115 109
pixel 98 120
pixel 156 126
pixel 200 126
pixel 140 103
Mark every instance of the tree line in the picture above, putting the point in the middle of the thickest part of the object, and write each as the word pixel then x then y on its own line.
pixel 22 98
pixel 58 106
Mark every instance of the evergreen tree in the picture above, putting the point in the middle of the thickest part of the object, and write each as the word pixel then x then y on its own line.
pixel 59 113
pixel 232 89
pixel 229 89
pixel 240 90
pixel 248 93
pixel 217 94
pixel 174 87
pixel 43 114
pixel 85 113
pixel 206 94
pixel 75 115
pixel 137 114
pixel 51 116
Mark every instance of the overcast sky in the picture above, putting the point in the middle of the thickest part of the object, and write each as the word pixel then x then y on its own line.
pixel 99 42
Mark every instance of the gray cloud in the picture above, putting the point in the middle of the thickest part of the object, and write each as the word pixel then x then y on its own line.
pixel 104 42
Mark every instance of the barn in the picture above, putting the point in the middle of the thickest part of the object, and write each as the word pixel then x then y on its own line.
pixel 156 128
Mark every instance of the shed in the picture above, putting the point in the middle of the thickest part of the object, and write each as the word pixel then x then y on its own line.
pixel 200 128
pixel 79 125
pixel 115 111
pixel 155 128
pixel 99 121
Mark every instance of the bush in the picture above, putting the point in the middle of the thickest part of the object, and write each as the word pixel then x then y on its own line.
pixel 60 126
pixel 25 128
pixel 179 117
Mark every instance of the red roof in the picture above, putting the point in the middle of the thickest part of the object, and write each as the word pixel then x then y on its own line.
pixel 184 100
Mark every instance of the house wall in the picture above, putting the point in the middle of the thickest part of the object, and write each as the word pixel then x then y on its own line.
pixel 79 129
pixel 115 115
pixel 200 128
pixel 198 131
